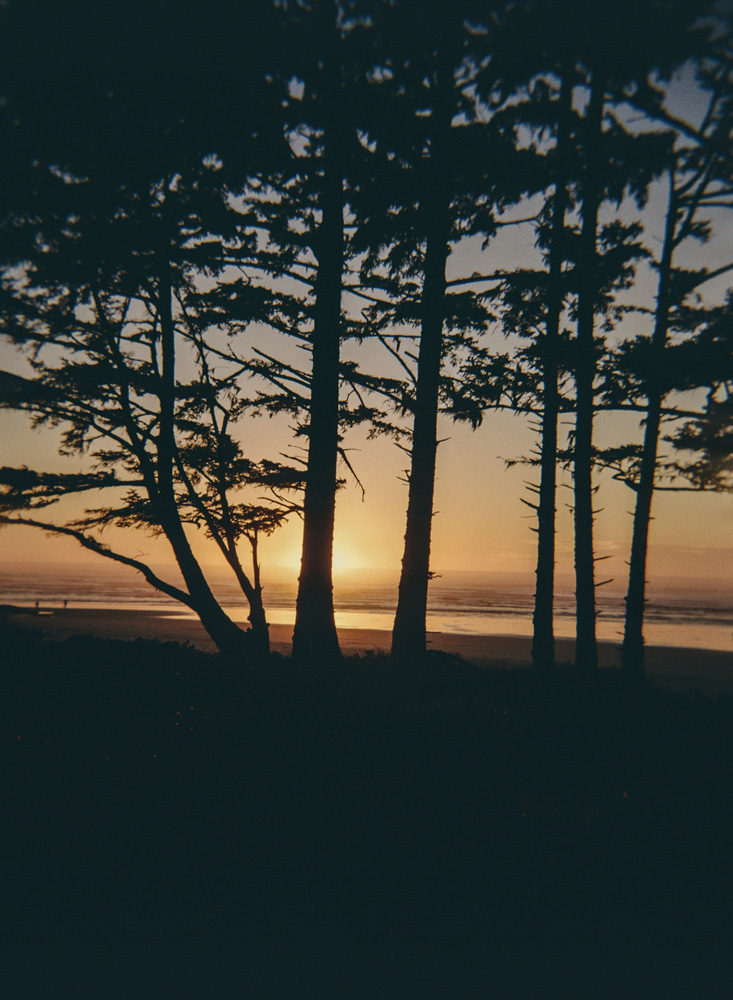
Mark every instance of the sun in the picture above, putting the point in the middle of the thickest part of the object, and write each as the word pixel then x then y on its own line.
pixel 344 559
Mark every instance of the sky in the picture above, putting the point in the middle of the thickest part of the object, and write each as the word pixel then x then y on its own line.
pixel 480 524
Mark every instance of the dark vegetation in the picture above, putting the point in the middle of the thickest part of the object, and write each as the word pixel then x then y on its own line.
pixel 177 827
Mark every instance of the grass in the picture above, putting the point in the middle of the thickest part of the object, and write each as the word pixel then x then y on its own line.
pixel 177 827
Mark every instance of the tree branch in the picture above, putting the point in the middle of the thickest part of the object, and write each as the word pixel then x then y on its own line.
pixel 94 546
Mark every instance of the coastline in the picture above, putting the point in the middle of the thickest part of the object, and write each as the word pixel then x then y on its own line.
pixel 676 667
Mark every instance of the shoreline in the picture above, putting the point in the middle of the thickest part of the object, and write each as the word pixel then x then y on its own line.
pixel 677 667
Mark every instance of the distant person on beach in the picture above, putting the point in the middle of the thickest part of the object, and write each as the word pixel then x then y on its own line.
pixel 65 603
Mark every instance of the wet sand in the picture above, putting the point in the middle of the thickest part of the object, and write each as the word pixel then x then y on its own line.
pixel 680 668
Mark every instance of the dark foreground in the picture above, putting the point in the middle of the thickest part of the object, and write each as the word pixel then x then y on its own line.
pixel 176 828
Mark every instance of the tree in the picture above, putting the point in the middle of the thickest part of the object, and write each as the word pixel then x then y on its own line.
pixel 596 161
pixel 109 334
pixel 408 635
pixel 647 370
pixel 587 264
pixel 614 162
pixel 650 379
pixel 698 178
pixel 543 639
pixel 299 210
pixel 122 223
pixel 533 307
pixel 585 369
pixel 315 635
pixel 445 174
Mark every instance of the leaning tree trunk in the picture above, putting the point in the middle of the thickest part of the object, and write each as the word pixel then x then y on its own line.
pixel 315 635
pixel 409 630
pixel 259 630
pixel 224 535
pixel 586 650
pixel 543 634
pixel 226 635
pixel 633 644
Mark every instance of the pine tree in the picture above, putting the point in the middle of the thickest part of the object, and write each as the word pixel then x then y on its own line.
pixel 614 161
pixel 698 178
pixel 300 209
pixel 533 307
pixel 445 174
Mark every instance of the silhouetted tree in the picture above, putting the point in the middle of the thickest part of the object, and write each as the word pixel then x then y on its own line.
pixel 698 178
pixel 585 371
pixel 315 627
pixel 533 307
pixel 408 636
pixel 543 638
pixel 646 370
pixel 109 337
pixel 301 212
pixel 587 263
pixel 615 57
pixel 445 174
pixel 643 374
pixel 123 211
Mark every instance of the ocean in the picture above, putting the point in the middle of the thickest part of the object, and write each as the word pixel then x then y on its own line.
pixel 699 616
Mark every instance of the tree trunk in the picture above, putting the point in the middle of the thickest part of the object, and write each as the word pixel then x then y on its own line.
pixel 224 536
pixel 259 630
pixel 409 631
pixel 543 635
pixel 586 651
pixel 257 617
pixel 633 644
pixel 226 635
pixel 314 636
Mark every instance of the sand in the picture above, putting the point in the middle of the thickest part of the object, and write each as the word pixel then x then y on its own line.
pixel 680 668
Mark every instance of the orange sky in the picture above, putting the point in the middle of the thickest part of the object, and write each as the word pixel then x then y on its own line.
pixel 480 523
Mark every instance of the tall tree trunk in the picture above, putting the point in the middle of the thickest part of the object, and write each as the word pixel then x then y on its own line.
pixel 543 635
pixel 586 651
pixel 409 631
pixel 633 644
pixel 227 636
pixel 315 635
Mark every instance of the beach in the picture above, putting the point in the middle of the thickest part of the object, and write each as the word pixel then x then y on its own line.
pixel 676 667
